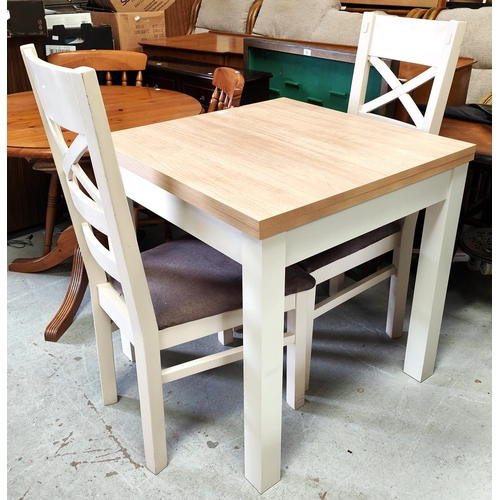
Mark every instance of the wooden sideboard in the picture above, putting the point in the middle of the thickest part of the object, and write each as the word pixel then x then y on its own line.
pixel 220 49
pixel 225 49
pixel 177 17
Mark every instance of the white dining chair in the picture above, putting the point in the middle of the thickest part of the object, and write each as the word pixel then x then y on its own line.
pixel 173 294
pixel 435 46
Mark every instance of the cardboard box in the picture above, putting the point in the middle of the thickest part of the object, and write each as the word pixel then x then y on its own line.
pixel 130 28
pixel 131 5
pixel 86 37
pixel 26 18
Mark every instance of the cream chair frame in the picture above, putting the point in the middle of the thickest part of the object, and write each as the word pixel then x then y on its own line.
pixel 417 41
pixel 120 288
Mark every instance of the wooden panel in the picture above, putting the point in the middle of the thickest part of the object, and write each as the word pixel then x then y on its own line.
pixel 27 192
pixel 26 189
pixel 17 78
pixel 177 18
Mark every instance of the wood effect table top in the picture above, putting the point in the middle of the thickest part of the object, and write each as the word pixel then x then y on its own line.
pixel 126 107
pixel 268 167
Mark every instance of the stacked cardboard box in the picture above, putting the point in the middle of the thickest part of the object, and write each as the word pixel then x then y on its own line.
pixel 131 21
pixel 132 6
pixel 130 28
pixel 84 37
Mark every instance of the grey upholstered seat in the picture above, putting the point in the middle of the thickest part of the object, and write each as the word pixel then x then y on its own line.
pixel 189 280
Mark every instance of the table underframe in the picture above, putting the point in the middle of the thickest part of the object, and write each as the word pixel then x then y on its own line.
pixel 264 263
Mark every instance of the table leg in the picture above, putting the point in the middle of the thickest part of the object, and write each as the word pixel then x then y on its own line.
pixel 63 249
pixel 74 295
pixel 263 306
pixel 436 253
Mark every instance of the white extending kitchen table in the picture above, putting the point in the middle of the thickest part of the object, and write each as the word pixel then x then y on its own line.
pixel 272 183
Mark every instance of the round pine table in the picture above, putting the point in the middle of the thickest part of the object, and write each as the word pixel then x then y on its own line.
pixel 126 107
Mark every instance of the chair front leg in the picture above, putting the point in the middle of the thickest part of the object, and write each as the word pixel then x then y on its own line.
pixel 398 292
pixel 298 355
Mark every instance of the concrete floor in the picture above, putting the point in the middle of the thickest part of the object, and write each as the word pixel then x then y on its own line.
pixel 367 431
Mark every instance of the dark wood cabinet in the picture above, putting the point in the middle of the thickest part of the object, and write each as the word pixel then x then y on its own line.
pixel 27 190
pixel 195 79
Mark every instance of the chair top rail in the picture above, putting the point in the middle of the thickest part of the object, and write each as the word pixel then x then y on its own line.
pixel 101 60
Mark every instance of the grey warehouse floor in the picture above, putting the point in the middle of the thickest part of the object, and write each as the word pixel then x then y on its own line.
pixel 366 432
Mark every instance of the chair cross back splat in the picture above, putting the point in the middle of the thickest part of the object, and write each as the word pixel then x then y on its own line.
pixel 398 39
pixel 228 83
pixel 172 294
pixel 434 46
